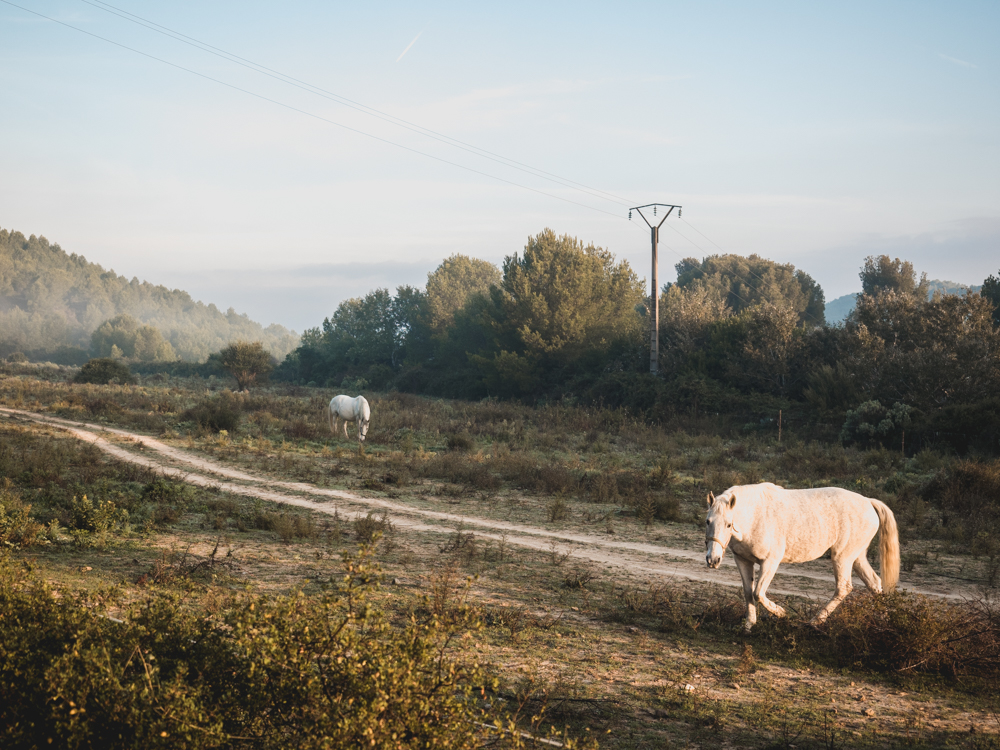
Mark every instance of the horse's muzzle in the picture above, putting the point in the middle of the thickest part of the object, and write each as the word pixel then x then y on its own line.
pixel 713 554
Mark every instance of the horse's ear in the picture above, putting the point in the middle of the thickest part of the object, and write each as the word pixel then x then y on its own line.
pixel 732 501
pixel 710 499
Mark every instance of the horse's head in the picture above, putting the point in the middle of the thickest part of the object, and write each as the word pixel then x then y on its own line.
pixel 719 528
pixel 364 412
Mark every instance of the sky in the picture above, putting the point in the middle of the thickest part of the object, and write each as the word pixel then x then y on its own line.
pixel 809 133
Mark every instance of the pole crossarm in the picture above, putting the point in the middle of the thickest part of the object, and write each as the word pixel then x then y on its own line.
pixel 654 296
pixel 669 206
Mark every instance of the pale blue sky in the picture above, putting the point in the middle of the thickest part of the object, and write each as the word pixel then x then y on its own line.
pixel 813 133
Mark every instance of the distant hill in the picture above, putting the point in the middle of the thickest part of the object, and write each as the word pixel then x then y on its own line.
pixel 838 309
pixel 51 302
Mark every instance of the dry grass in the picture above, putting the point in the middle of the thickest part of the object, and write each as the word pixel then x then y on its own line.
pixel 603 649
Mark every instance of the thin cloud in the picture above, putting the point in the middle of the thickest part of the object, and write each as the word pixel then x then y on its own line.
pixel 409 45
pixel 943 56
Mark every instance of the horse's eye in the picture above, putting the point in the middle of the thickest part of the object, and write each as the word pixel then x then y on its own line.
pixel 729 525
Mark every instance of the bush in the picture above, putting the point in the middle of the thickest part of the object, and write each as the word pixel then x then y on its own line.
pixel 873 424
pixel 248 362
pixel 283 671
pixel 17 528
pixel 223 412
pixel 103 371
pixel 901 632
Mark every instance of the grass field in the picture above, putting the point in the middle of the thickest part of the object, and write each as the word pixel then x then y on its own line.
pixel 572 535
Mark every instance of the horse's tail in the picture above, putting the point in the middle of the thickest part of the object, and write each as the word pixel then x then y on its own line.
pixel 888 544
pixel 329 416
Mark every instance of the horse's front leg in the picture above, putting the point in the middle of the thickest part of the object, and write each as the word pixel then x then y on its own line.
pixel 768 568
pixel 746 574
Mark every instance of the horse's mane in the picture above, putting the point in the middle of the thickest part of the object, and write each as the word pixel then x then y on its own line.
pixel 752 491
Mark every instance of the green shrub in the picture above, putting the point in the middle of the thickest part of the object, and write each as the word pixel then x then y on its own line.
pixel 269 672
pixel 101 518
pixel 873 424
pixel 17 528
pixel 103 371
pixel 223 412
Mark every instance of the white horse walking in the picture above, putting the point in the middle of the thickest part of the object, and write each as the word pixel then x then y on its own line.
pixel 347 409
pixel 769 525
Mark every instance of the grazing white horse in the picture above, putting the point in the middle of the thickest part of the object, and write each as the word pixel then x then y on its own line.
pixel 347 409
pixel 769 525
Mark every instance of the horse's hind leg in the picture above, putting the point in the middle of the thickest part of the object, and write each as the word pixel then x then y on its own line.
pixel 842 576
pixel 867 574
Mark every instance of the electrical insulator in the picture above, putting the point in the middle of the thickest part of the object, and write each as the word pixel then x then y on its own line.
pixel 679 213
pixel 630 214
pixel 654 210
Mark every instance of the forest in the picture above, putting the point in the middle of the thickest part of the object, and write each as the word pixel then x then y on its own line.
pixel 60 307
pixel 743 337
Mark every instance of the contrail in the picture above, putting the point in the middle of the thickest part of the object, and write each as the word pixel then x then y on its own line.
pixel 408 46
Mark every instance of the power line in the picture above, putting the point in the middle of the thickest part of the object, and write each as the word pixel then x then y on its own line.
pixel 413 127
pixel 312 114
pixel 358 106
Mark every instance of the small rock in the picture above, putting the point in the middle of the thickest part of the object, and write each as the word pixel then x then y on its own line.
pixel 735 686
pixel 86 569
pixel 575 609
pixel 869 712
pixel 689 688
pixel 632 629
pixel 397 582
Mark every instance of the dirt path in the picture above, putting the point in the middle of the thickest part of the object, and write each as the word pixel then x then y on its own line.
pixel 634 557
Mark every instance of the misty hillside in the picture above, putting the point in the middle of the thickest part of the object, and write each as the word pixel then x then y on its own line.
pixel 51 302
pixel 838 309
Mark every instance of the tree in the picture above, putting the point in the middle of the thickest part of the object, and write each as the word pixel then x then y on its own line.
pixel 248 362
pixel 742 282
pixel 135 341
pixel 926 353
pixel 103 371
pixel 991 292
pixel 686 316
pixel 55 300
pixel 559 305
pixel 451 284
pixel 755 350
pixel 882 274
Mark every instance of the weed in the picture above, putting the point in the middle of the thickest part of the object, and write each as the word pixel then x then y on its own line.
pixel 578 579
pixel 462 545
pixel 557 510
pixel 370 527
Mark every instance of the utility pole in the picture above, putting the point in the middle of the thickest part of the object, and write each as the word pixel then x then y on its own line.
pixel 654 295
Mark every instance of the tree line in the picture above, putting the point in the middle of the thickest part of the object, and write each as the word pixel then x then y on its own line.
pixel 739 336
pixel 59 306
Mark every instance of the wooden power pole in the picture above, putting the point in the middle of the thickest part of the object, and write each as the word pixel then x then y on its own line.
pixel 654 292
